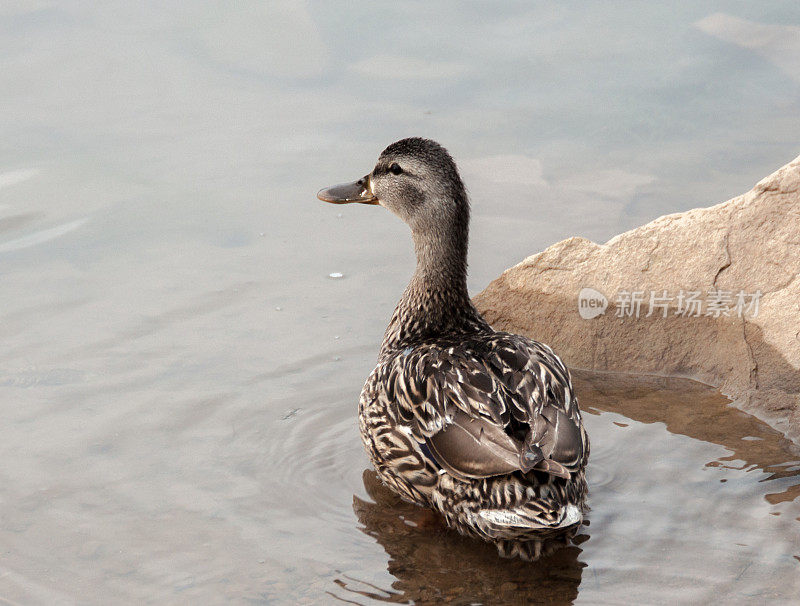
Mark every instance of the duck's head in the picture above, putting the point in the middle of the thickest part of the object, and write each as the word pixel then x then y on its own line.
pixel 414 178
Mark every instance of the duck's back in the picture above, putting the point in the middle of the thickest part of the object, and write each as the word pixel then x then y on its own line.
pixel 483 427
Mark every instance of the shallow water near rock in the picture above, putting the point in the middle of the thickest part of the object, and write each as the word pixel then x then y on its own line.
pixel 185 328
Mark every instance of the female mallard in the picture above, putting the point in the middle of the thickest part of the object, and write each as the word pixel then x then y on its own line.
pixel 482 426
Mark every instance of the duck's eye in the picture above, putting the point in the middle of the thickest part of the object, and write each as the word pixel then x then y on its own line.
pixel 395 168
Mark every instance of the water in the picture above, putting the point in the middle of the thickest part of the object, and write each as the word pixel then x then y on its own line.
pixel 178 371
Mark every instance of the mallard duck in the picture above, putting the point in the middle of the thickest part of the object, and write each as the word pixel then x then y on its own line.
pixel 480 425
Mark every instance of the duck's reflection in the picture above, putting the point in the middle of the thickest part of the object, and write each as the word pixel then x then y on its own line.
pixel 433 564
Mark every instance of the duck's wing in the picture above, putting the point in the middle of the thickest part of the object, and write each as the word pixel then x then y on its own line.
pixel 467 403
pixel 474 447
pixel 541 396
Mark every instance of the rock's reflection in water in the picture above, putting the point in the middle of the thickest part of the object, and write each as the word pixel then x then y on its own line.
pixel 694 410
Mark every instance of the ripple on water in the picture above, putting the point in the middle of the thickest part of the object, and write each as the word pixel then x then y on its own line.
pixel 318 461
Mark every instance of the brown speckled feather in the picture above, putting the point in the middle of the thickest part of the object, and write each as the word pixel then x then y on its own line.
pixel 505 381
pixel 489 423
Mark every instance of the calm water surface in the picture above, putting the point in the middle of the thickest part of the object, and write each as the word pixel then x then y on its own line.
pixel 179 373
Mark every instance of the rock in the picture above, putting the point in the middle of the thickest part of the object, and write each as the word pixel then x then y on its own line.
pixel 741 257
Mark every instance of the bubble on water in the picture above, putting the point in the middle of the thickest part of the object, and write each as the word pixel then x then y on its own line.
pixel 336 275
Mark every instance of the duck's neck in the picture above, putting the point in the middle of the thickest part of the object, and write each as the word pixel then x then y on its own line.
pixel 436 302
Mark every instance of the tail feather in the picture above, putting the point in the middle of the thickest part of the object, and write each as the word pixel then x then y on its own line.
pixel 523 518
pixel 529 538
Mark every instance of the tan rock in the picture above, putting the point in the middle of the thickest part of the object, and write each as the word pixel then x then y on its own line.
pixel 728 253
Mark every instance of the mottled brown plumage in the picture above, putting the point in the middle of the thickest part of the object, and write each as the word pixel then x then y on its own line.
pixel 482 426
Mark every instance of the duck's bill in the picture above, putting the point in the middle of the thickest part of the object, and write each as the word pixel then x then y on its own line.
pixel 358 191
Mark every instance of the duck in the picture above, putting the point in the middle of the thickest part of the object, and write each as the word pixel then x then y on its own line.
pixel 479 425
